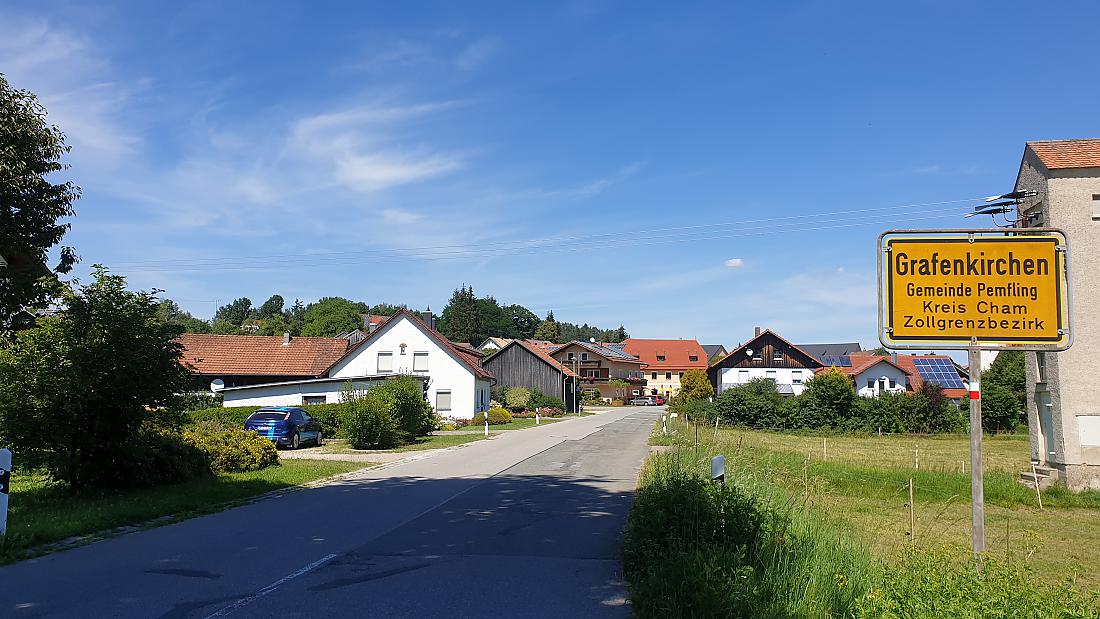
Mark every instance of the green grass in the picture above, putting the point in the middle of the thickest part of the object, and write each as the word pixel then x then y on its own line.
pixel 870 497
pixel 42 513
pixel 846 524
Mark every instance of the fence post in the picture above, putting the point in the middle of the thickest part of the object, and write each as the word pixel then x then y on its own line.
pixel 912 515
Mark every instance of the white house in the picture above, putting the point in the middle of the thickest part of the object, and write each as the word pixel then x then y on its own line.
pixel 873 375
pixel 766 355
pixel 295 392
pixel 403 344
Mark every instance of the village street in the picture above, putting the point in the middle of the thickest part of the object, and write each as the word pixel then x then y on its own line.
pixel 526 524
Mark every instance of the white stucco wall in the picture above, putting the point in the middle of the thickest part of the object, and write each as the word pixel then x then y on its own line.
pixel 730 377
pixel 445 371
pixel 285 394
pixel 877 373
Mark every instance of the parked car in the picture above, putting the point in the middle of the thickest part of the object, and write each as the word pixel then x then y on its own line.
pixel 285 426
pixel 659 400
pixel 645 400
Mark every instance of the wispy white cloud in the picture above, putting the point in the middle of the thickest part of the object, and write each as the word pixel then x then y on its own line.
pixel 475 54
pixel 400 217
pixel 939 169
pixel 72 80
pixel 735 263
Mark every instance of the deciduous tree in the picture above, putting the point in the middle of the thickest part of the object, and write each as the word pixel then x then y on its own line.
pixel 330 317
pixel 76 389
pixel 32 205
pixel 694 385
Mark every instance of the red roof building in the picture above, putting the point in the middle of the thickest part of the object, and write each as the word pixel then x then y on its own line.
pixel 666 361
pixel 252 359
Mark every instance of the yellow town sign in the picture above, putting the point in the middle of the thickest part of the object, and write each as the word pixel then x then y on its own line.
pixel 975 289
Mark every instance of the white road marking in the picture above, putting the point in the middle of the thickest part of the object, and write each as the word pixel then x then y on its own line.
pixel 272 587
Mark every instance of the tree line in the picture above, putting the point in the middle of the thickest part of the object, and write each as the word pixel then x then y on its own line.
pixel 465 318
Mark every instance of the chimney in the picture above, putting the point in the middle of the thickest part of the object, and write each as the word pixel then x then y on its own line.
pixel 286 338
pixel 371 326
pixel 757 331
pixel 426 316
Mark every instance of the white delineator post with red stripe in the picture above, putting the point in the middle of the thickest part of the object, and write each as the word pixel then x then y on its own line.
pixel 977 484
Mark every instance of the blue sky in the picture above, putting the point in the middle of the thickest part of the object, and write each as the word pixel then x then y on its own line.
pixel 687 172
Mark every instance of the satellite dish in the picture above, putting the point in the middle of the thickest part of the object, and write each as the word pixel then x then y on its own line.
pixel 217 384
pixel 748 351
pixel 592 340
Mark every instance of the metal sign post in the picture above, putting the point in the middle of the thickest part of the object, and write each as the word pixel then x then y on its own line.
pixel 5 488
pixel 977 480
pixel 974 290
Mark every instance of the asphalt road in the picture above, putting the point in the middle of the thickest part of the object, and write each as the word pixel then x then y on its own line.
pixel 524 525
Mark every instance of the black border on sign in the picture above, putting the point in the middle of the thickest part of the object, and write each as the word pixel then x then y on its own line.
pixel 1059 269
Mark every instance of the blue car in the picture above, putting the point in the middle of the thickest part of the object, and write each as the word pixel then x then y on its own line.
pixel 285 426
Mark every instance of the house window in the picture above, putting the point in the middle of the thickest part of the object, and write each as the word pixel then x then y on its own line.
pixel 668 375
pixel 1040 367
pixel 777 355
pixel 743 376
pixel 385 362
pixel 655 376
pixel 1096 206
pixel 893 384
pixel 796 377
pixel 443 400
pixel 592 373
pixel 693 358
pixel 570 357
pixel 584 356
pixel 420 361
pixel 313 399
pixel 660 357
pixel 772 376
pixel 681 375
pixel 870 383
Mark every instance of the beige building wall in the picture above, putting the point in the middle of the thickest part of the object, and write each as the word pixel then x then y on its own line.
pixel 1063 393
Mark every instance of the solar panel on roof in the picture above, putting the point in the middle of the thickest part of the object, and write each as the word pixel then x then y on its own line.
pixel 940 371
pixel 841 361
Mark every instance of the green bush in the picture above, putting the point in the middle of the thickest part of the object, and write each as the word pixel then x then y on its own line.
pixel 497 416
pixel 694 410
pixel 942 582
pixel 591 397
pixel 157 457
pixel 231 449
pixel 414 415
pixel 227 416
pixel 1000 409
pixel 368 418
pixel 517 397
pixel 541 400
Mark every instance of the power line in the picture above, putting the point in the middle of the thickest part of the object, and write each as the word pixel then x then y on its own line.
pixel 509 245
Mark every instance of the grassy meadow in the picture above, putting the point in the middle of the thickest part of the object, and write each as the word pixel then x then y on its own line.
pixel 859 493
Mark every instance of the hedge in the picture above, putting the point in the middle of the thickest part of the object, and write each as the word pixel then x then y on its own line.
pixel 328 415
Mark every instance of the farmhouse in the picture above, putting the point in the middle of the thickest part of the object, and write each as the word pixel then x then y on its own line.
pixel 766 355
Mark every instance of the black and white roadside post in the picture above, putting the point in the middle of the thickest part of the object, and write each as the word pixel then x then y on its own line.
pixel 536 415
pixel 486 423
pixel 5 488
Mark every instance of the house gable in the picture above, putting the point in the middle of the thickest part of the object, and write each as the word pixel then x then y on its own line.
pixel 768 351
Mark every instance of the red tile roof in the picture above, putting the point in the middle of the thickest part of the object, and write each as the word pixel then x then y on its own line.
pixel 260 355
pixel 1063 154
pixel 905 362
pixel 677 353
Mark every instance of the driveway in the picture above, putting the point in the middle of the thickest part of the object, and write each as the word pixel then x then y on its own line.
pixel 525 525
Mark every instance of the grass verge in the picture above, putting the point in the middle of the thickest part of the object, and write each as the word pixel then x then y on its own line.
pixel 851 520
pixel 518 424
pixel 43 513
